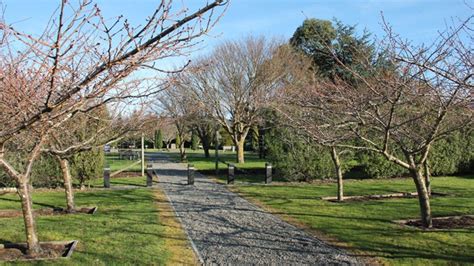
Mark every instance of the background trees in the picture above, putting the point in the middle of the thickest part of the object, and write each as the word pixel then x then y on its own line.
pixel 237 81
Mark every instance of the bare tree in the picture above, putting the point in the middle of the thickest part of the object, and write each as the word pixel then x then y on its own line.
pixel 237 81
pixel 189 114
pixel 169 131
pixel 175 105
pixel 204 126
pixel 81 61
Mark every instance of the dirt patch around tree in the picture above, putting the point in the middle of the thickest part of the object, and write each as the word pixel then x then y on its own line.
pixel 447 222
pixel 48 212
pixel 399 195
pixel 50 250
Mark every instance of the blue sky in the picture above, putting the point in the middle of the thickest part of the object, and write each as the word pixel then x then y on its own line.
pixel 417 20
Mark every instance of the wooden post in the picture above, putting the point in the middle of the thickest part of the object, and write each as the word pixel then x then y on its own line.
pixel 149 175
pixel 217 152
pixel 190 174
pixel 231 174
pixel 268 173
pixel 107 177
pixel 143 154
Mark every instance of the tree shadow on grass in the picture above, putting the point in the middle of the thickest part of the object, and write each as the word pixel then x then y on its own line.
pixel 391 251
pixel 34 202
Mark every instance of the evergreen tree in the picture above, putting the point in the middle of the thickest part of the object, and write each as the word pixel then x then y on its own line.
pixel 194 141
pixel 178 141
pixel 158 139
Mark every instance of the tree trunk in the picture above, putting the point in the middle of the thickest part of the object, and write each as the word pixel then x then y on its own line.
pixel 240 150
pixel 206 152
pixel 182 151
pixel 427 174
pixel 205 147
pixel 67 184
pixel 423 197
pixel 24 191
pixel 337 167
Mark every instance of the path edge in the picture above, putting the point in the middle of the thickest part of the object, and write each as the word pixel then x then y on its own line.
pixel 193 246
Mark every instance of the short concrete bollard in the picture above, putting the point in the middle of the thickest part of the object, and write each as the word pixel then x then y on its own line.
pixel 231 174
pixel 149 175
pixel 268 173
pixel 190 174
pixel 107 177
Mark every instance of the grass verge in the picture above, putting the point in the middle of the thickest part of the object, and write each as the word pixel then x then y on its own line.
pixel 176 240
pixel 116 164
pixel 206 164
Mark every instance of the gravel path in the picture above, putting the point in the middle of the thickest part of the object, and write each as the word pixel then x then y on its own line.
pixel 227 229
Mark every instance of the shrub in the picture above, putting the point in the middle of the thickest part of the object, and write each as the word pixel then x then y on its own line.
pixel 454 154
pixel 87 165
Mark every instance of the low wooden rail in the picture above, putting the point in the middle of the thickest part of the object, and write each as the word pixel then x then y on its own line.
pixel 6 190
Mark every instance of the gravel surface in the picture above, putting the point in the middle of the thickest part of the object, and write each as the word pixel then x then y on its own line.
pixel 228 230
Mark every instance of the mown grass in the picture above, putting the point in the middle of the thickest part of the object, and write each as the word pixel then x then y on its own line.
pixel 367 226
pixel 126 229
pixel 115 163
pixel 138 181
pixel 202 163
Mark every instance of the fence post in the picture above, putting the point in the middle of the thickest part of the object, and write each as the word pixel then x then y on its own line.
pixel 268 173
pixel 107 177
pixel 190 174
pixel 231 174
pixel 149 175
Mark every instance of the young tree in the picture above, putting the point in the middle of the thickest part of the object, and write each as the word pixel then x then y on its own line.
pixel 81 61
pixel 83 133
pixel 412 97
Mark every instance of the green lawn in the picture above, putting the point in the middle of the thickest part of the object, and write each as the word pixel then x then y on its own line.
pixel 115 163
pixel 124 231
pixel 139 181
pixel 368 227
pixel 201 163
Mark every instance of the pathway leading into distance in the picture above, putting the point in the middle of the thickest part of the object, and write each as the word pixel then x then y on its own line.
pixel 226 229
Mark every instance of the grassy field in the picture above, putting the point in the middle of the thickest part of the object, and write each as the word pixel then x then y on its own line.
pixel 201 163
pixel 367 226
pixel 115 163
pixel 126 230
pixel 139 181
